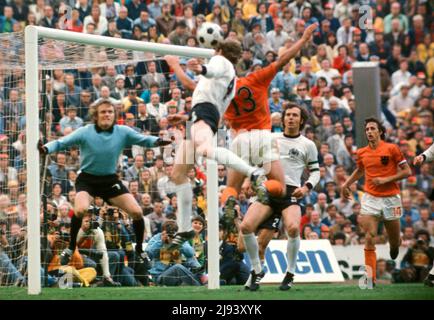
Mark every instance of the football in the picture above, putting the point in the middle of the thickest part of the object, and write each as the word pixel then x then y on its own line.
pixel 209 34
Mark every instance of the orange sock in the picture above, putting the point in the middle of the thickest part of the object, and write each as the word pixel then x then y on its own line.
pixel 274 187
pixel 371 261
pixel 227 192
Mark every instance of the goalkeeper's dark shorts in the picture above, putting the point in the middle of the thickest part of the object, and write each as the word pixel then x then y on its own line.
pixel 206 112
pixel 105 187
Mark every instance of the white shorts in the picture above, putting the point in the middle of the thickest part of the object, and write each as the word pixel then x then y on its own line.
pixel 390 208
pixel 256 147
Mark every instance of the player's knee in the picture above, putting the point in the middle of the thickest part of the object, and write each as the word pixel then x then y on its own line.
pixel 292 230
pixel 370 241
pixel 136 213
pixel 203 150
pixel 246 228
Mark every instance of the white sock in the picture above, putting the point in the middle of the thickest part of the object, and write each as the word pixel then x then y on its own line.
pixel 292 247
pixel 252 250
pixel 184 197
pixel 230 159
pixel 432 271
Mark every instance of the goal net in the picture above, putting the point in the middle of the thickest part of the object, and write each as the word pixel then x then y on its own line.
pixel 48 80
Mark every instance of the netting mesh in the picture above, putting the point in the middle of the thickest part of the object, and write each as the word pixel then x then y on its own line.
pixel 55 54
pixel 72 76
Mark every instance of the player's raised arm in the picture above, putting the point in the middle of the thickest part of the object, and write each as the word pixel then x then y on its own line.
pixel 426 156
pixel 186 81
pixel 135 138
pixel 290 53
pixel 63 143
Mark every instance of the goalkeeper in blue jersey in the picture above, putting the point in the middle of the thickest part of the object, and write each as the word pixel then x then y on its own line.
pixel 100 146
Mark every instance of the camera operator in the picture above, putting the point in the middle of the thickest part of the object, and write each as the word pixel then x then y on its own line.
pixel 418 260
pixel 119 245
pixel 91 245
pixel 9 274
pixel 171 266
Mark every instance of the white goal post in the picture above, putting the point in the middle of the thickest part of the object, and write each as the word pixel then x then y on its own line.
pixel 32 35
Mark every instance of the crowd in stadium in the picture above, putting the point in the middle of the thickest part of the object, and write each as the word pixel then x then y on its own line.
pixel 399 37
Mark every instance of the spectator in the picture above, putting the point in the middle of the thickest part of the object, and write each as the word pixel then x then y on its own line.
pixel 123 23
pixel 425 223
pixel 232 268
pixel 135 8
pixel 275 102
pixel 97 19
pixel 263 18
pixel 315 223
pixel 154 9
pixel 94 250
pixel 165 184
pixel 418 260
pixel 284 81
pixel 110 9
pixel 180 35
pixel 382 272
pixel 146 121
pixel 156 217
pixel 395 13
pixel 168 268
pixel 166 22
pixel 218 15
pixel 49 20
pixel 144 21
pixel 345 152
pixel 400 104
pixel 396 34
pixel 70 119
pixel 153 76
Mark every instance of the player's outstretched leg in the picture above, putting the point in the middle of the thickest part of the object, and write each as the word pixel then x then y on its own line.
pixel 82 202
pixel 184 193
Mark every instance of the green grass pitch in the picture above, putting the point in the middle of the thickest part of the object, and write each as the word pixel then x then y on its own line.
pixel 344 291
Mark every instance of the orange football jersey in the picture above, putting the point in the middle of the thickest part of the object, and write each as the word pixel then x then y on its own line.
pixel 249 108
pixel 379 163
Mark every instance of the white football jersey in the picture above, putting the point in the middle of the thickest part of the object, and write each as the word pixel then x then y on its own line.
pixel 217 86
pixel 429 153
pixel 297 154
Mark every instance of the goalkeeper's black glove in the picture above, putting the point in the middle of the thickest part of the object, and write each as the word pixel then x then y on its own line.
pixel 42 149
pixel 161 143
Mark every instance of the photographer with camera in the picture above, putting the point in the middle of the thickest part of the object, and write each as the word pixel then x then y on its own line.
pixel 91 245
pixel 9 275
pixel 171 266
pixel 418 260
pixel 119 245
